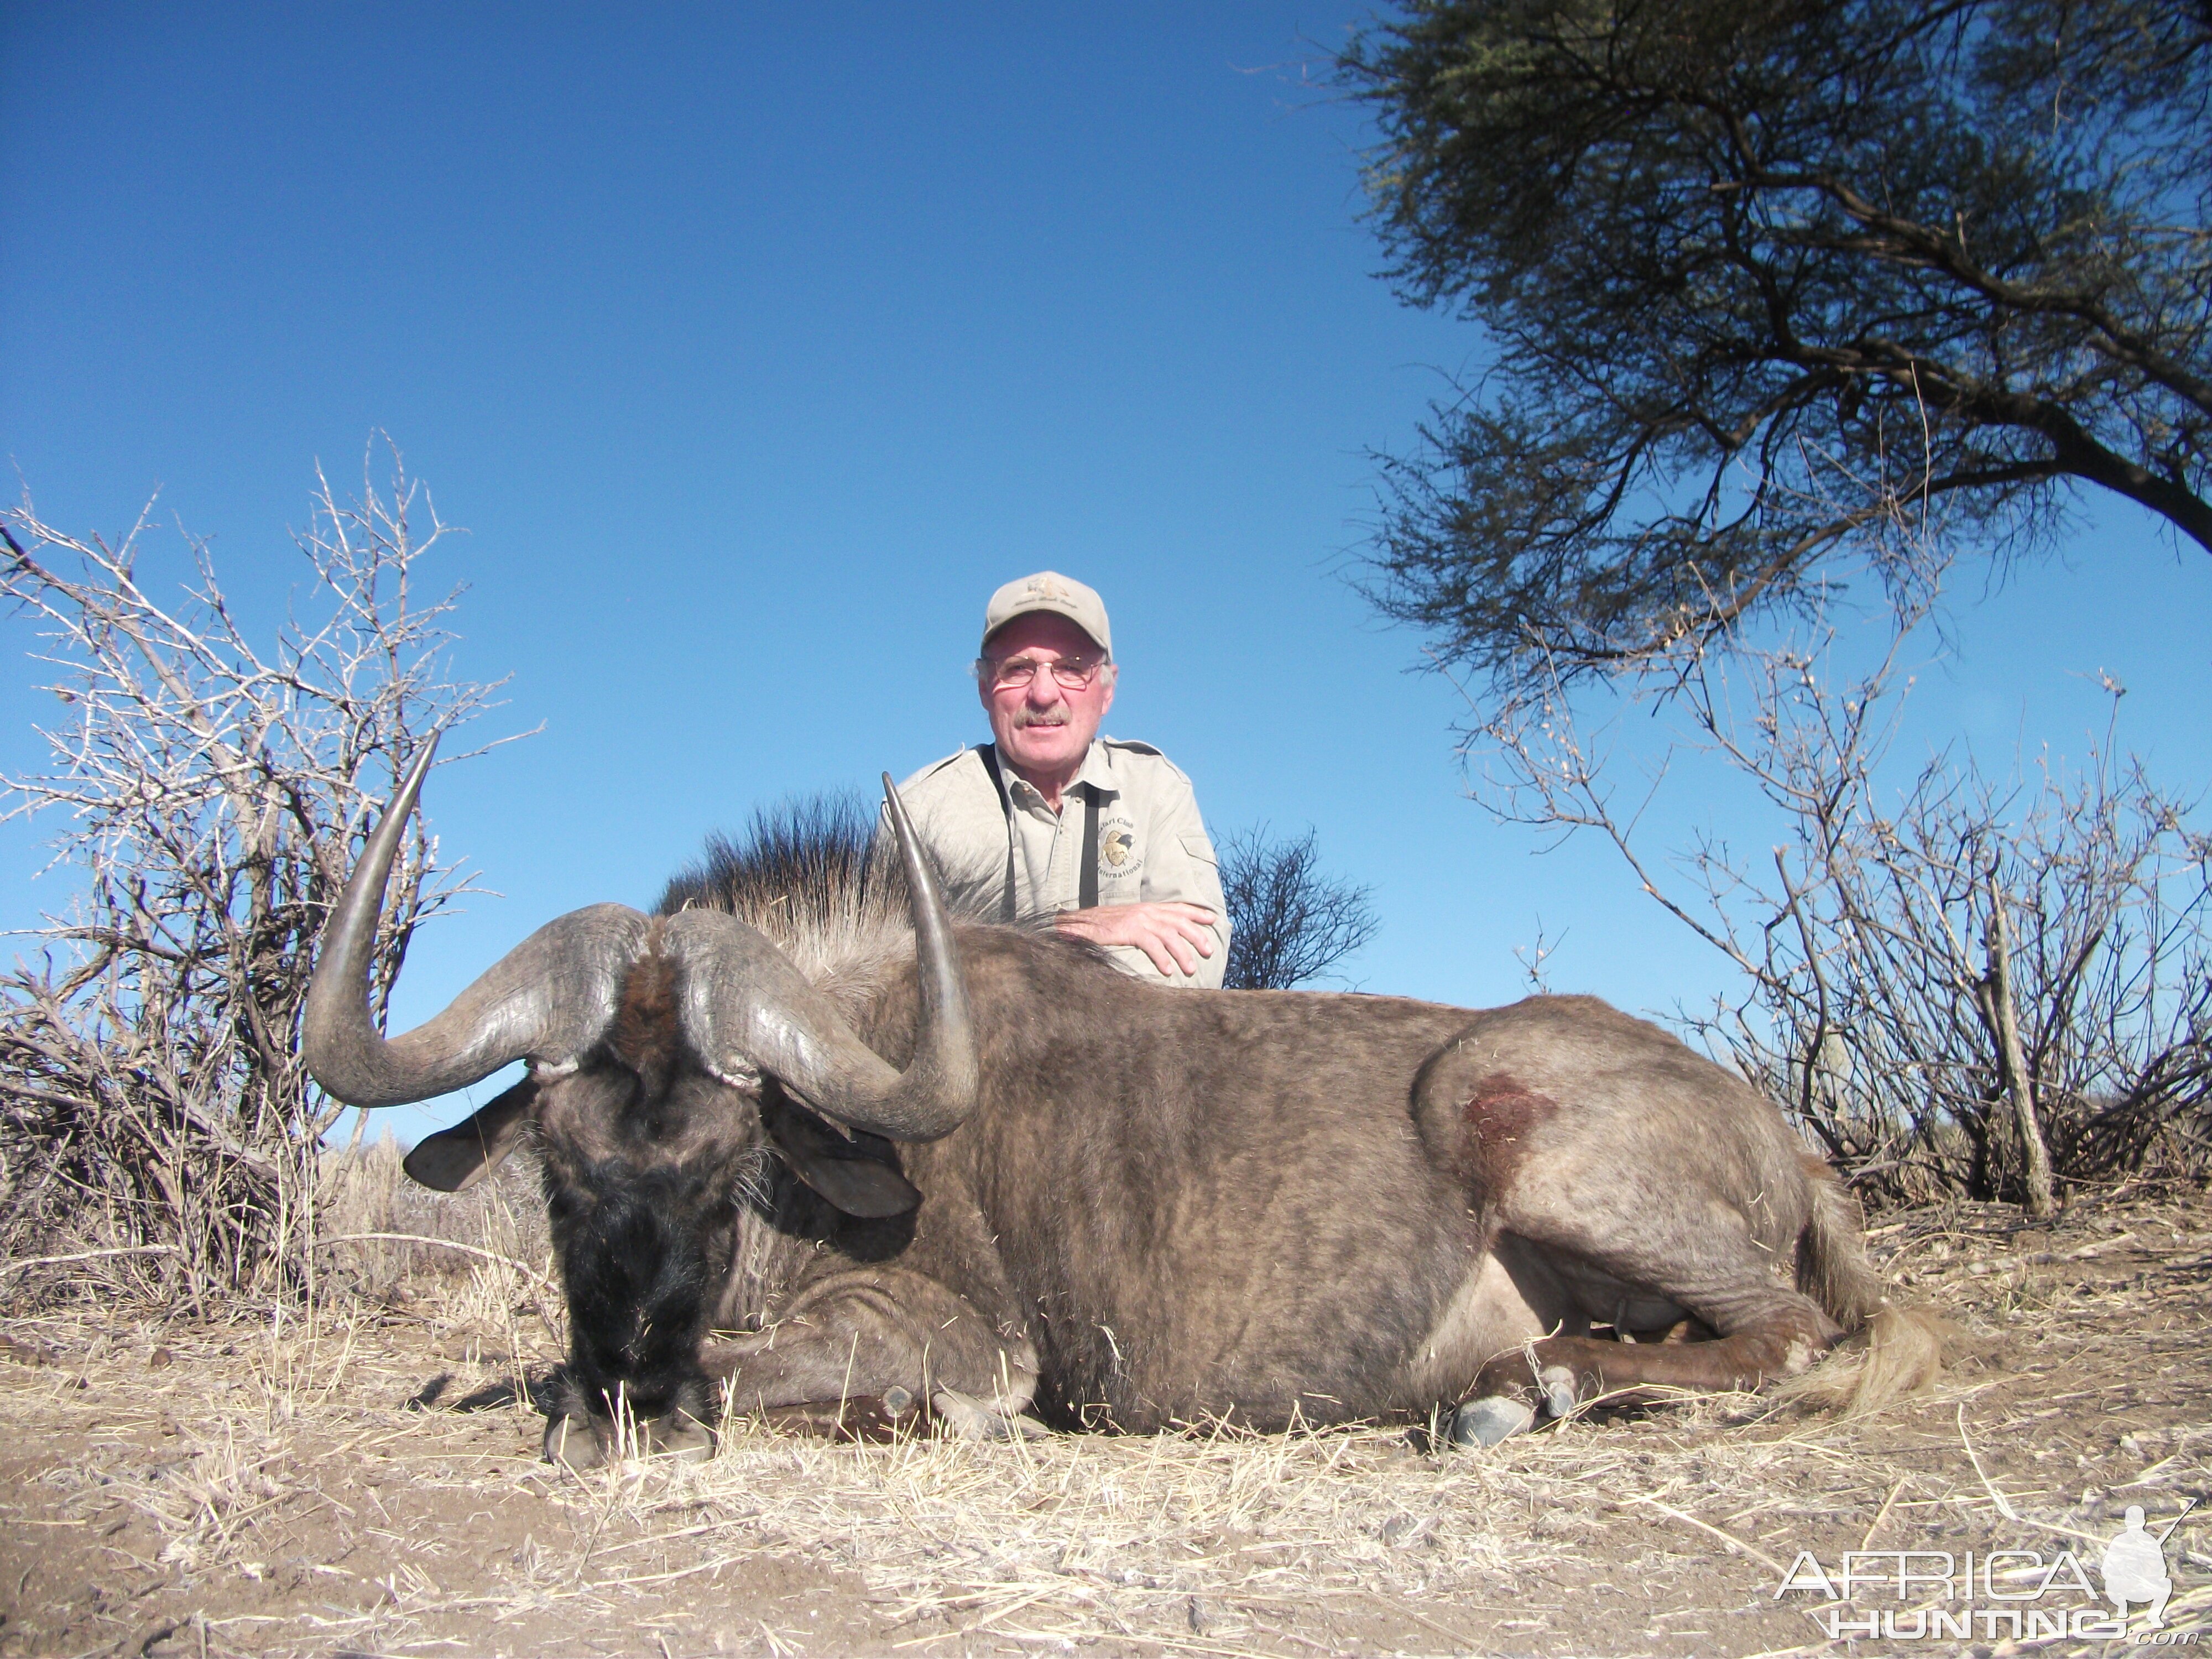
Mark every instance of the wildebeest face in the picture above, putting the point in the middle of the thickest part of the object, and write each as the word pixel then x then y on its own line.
pixel 648 1163
pixel 644 1173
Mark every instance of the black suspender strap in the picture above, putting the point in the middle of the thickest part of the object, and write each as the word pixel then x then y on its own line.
pixel 1087 894
pixel 989 752
pixel 1087 882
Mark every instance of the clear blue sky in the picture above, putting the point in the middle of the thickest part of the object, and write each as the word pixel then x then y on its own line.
pixel 755 345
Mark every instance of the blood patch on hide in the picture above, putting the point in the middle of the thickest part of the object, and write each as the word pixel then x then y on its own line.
pixel 1500 1116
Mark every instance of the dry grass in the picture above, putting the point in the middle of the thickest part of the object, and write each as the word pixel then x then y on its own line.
pixel 262 1487
pixel 383 1239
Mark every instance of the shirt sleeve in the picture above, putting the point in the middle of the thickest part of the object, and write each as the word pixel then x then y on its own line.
pixel 1180 865
pixel 955 817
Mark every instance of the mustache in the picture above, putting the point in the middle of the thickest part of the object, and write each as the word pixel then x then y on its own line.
pixel 1041 717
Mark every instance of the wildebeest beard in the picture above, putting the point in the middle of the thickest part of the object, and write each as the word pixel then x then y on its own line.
pixel 635 1248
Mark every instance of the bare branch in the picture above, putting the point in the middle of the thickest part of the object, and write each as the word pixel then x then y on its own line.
pixel 209 784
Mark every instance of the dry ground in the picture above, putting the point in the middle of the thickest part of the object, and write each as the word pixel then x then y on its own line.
pixel 221 1488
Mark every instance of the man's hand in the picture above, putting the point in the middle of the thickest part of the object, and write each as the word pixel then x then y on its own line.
pixel 1172 934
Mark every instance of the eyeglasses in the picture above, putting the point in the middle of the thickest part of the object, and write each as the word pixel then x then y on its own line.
pixel 1072 673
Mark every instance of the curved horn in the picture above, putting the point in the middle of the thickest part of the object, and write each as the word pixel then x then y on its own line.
pixel 746 1008
pixel 550 998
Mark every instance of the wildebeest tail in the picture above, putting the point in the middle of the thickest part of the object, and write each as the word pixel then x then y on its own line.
pixel 1887 1350
pixel 1832 1265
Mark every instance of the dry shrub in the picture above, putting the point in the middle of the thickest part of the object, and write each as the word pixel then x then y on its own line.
pixel 158 1135
pixel 1290 923
pixel 1969 984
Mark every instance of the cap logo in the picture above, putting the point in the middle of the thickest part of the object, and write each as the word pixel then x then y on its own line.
pixel 1048 590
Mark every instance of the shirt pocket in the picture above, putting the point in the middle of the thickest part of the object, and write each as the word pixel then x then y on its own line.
pixel 1201 849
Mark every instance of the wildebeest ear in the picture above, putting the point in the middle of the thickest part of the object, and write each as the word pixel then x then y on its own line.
pixel 859 1175
pixel 453 1160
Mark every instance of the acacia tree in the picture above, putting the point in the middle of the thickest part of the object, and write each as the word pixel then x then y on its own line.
pixel 1727 252
pixel 213 788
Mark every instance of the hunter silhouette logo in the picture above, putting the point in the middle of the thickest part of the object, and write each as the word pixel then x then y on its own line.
pixel 2135 1570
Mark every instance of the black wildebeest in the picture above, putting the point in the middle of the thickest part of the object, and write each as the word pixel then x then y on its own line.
pixel 975 1168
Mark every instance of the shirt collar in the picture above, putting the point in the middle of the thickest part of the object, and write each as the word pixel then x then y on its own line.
pixel 1097 770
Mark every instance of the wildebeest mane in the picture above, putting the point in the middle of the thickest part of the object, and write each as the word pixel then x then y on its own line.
pixel 807 873
pixel 802 862
pixel 802 872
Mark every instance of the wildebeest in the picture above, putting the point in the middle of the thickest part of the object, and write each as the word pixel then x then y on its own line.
pixel 976 1168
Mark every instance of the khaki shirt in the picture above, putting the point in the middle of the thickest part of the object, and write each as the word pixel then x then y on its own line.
pixel 1152 844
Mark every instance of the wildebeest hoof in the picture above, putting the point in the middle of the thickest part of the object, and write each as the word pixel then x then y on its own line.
pixel 1559 1395
pixel 970 1418
pixel 574 1442
pixel 1486 1422
pixel 585 1442
pixel 679 1436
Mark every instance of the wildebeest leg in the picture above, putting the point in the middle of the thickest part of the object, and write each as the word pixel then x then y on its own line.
pixel 1712 1268
pixel 1640 1258
pixel 1560 1372
pixel 886 1338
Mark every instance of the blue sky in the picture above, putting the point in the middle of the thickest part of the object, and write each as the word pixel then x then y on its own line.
pixel 754 346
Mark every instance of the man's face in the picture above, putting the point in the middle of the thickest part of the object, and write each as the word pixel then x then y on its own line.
pixel 1044 727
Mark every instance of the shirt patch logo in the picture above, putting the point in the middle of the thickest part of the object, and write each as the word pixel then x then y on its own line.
pixel 1117 847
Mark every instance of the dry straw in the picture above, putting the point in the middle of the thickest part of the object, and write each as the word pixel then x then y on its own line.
pixel 274 1494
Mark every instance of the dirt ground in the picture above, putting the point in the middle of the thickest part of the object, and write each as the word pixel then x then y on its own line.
pixel 218 1489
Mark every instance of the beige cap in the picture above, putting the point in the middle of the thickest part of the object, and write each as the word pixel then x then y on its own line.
pixel 1049 590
